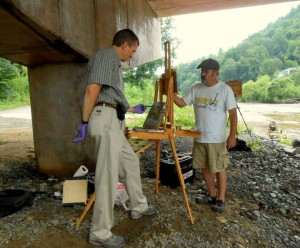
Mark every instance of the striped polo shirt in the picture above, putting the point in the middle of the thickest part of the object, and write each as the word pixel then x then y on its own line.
pixel 105 68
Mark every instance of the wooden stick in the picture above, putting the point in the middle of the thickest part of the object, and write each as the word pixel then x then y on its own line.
pixel 157 164
pixel 145 148
pixel 86 209
pixel 178 168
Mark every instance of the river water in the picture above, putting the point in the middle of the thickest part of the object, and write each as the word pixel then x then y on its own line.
pixel 257 117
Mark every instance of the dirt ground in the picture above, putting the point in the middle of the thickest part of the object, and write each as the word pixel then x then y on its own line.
pixel 16 143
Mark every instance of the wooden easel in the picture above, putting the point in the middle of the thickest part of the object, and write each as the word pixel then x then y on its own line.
pixel 164 89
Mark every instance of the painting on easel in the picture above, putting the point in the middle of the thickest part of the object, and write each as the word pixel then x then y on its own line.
pixel 155 116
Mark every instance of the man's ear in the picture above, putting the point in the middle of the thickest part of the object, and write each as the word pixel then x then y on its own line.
pixel 124 45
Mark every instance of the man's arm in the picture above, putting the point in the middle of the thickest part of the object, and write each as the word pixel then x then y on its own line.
pixel 231 140
pixel 90 98
pixel 179 101
pixel 130 109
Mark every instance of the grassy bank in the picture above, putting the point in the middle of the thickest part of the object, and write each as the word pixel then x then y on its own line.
pixel 14 93
pixel 12 105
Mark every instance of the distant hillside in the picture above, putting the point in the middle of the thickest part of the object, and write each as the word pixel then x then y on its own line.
pixel 265 53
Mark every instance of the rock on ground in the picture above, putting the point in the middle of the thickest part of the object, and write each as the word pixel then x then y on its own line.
pixel 262 206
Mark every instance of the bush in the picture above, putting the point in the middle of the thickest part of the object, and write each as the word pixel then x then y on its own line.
pixel 136 95
pixel 15 90
pixel 184 117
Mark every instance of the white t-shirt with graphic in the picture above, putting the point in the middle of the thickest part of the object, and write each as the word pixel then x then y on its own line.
pixel 210 106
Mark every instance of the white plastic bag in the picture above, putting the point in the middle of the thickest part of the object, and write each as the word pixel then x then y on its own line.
pixel 122 196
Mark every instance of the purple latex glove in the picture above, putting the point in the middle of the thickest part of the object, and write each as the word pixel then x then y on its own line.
pixel 139 109
pixel 81 133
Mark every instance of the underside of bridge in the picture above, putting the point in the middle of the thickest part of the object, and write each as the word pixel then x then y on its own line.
pixel 55 39
pixel 165 8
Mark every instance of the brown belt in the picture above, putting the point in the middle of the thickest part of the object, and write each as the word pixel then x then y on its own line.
pixel 106 104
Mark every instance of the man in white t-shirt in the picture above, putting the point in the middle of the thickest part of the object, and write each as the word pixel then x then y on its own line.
pixel 212 99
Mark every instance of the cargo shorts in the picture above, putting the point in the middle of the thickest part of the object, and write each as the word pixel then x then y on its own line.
pixel 210 155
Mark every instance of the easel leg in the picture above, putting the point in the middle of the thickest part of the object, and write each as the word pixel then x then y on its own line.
pixel 178 168
pixel 144 148
pixel 86 209
pixel 157 164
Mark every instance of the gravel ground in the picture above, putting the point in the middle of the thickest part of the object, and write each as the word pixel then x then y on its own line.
pixel 262 206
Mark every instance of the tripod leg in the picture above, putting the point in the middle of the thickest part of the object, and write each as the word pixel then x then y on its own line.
pixel 181 178
pixel 244 121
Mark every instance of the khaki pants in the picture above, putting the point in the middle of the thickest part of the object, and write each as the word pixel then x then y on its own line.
pixel 116 160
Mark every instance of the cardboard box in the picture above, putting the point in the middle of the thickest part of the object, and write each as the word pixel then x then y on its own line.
pixel 75 191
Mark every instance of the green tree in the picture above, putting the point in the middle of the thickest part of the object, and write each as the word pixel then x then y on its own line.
pixel 192 79
pixel 256 91
pixel 187 75
pixel 293 52
pixel 270 66
pixel 13 81
pixel 228 70
pixel 134 96
pixel 8 70
pixel 280 45
pixel 295 77
pixel 277 91
pixel 290 63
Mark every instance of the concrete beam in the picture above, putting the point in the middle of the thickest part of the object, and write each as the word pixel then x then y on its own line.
pixel 70 21
pixel 143 21
pixel 26 41
pixel 134 14
pixel 34 32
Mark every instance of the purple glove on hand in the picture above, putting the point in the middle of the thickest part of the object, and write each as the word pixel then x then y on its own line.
pixel 139 109
pixel 81 133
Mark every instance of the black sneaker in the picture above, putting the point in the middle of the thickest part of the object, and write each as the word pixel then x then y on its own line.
pixel 206 199
pixel 219 206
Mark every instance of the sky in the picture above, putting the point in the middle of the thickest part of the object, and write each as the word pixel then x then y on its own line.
pixel 205 33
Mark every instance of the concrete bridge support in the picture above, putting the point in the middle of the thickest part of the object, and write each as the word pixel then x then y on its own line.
pixel 55 91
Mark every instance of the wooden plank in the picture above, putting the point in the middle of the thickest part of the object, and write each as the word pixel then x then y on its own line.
pixel 236 87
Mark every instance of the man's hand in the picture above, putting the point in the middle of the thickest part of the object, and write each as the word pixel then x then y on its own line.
pixel 139 109
pixel 81 133
pixel 231 141
pixel 179 101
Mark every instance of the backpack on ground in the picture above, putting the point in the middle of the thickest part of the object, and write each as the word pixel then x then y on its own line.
pixel 13 200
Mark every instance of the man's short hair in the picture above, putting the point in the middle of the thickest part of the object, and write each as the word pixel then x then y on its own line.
pixel 125 35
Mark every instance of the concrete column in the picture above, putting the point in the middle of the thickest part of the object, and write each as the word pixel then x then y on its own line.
pixel 55 90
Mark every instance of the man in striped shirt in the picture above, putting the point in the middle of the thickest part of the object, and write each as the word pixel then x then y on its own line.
pixel 116 160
